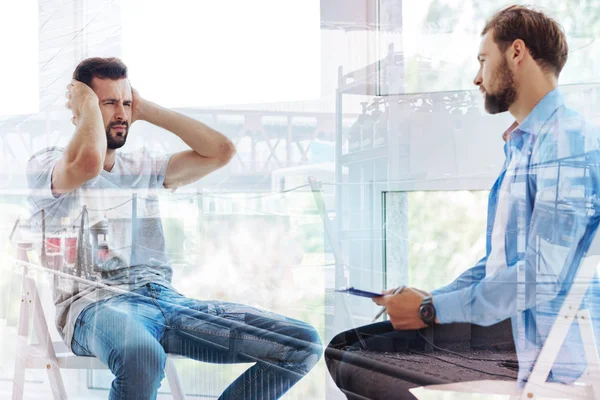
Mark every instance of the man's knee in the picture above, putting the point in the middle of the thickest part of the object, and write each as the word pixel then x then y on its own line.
pixel 316 346
pixel 303 337
pixel 330 352
pixel 312 344
pixel 305 345
pixel 142 360
pixel 334 349
pixel 312 336
pixel 339 341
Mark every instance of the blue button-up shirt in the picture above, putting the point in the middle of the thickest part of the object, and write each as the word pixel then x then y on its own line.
pixel 546 203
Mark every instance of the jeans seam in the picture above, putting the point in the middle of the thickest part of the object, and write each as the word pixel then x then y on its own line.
pixel 155 301
pixel 264 367
pixel 227 335
pixel 243 386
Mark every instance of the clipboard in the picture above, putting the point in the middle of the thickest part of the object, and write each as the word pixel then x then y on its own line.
pixel 358 292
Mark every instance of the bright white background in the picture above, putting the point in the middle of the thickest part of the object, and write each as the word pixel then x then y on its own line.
pixel 19 73
pixel 223 52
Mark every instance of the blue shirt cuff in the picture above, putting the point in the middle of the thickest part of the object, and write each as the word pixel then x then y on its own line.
pixel 448 307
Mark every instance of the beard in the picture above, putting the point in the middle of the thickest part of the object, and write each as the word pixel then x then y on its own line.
pixel 117 141
pixel 505 96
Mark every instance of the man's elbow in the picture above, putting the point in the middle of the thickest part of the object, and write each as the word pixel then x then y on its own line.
pixel 89 165
pixel 226 153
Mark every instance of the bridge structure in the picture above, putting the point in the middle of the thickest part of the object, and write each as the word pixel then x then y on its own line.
pixel 266 141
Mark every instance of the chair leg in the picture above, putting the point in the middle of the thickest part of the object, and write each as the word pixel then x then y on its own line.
pixel 56 382
pixel 174 382
pixel 43 335
pixel 22 340
pixel 18 386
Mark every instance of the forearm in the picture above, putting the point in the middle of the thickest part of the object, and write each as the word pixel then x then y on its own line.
pixel 496 298
pixel 466 279
pixel 89 140
pixel 204 140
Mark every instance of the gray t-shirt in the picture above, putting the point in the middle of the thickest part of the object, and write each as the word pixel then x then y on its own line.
pixel 127 253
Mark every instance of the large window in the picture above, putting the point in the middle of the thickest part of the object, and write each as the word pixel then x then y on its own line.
pixel 433 236
pixel 440 39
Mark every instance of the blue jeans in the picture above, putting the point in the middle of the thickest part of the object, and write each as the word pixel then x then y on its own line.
pixel 132 333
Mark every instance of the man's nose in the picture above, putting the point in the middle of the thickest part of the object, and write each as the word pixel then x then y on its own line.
pixel 120 113
pixel 477 79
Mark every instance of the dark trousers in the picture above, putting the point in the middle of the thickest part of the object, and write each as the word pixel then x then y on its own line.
pixel 356 359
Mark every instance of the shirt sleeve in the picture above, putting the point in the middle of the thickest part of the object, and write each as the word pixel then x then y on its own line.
pixel 466 279
pixel 39 181
pixel 562 177
pixel 161 164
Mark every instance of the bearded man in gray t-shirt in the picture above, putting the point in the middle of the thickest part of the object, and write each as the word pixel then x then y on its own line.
pixel 120 306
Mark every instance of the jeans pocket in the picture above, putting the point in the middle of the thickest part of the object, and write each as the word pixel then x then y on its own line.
pixel 78 341
pixel 79 332
pixel 78 349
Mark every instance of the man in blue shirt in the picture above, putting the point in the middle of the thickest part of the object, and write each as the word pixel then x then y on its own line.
pixel 542 214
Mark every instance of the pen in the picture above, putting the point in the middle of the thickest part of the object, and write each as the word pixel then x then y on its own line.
pixel 399 289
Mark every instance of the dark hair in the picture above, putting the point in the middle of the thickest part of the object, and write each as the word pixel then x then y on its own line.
pixel 542 35
pixel 104 68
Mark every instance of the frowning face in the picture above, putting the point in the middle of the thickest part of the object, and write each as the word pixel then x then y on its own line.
pixel 116 101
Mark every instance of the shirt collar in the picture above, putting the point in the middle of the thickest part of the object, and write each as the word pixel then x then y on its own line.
pixel 509 131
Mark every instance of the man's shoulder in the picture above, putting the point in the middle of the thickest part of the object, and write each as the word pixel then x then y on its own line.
pixel 567 134
pixel 52 150
pixel 46 156
pixel 567 121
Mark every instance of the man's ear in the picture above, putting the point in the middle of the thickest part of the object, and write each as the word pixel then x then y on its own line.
pixel 517 52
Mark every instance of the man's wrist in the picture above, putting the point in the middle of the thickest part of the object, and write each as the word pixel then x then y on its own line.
pixel 90 105
pixel 427 311
pixel 449 307
pixel 147 111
